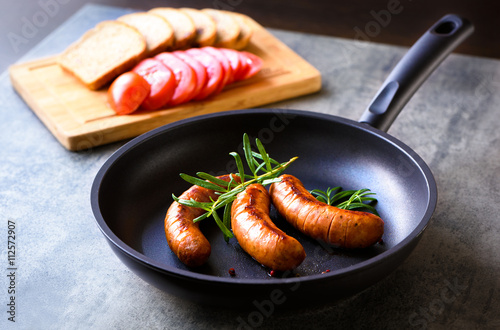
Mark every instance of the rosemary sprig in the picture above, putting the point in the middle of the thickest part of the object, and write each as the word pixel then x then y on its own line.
pixel 264 170
pixel 347 199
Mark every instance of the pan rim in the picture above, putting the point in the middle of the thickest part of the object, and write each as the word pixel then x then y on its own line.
pixel 194 276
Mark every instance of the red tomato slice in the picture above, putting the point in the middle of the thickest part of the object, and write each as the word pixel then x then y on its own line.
pixel 162 82
pixel 185 78
pixel 253 63
pixel 234 61
pixel 127 92
pixel 228 71
pixel 214 72
pixel 201 72
pixel 244 67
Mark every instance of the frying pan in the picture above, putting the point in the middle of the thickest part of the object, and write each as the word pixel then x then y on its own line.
pixel 132 190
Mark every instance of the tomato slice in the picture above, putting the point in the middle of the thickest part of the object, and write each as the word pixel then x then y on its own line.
pixel 234 61
pixel 201 72
pixel 228 71
pixel 244 67
pixel 214 72
pixel 162 82
pixel 127 92
pixel 252 62
pixel 185 78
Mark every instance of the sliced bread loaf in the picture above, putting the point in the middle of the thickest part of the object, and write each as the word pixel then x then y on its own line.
pixel 228 29
pixel 156 30
pixel 246 30
pixel 103 52
pixel 183 25
pixel 205 27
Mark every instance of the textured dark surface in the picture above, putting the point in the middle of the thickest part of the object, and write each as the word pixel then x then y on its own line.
pixel 69 278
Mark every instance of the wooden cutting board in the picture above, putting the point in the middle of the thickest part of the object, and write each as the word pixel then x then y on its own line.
pixel 81 119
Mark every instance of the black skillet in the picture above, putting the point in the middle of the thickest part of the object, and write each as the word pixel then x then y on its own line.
pixel 132 190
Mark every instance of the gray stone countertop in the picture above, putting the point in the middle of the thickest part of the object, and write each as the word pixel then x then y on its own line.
pixel 67 277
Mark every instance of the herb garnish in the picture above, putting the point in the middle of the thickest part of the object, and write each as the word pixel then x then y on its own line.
pixel 347 199
pixel 264 169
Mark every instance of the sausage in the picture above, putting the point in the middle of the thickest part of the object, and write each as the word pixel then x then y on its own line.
pixel 258 235
pixel 184 237
pixel 343 228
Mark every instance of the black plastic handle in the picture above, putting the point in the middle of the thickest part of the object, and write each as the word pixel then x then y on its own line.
pixel 414 68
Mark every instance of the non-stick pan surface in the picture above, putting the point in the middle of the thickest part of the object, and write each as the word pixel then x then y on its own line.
pixel 132 191
pixel 136 184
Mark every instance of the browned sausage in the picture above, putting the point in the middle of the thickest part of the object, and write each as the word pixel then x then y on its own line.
pixel 342 228
pixel 259 236
pixel 184 237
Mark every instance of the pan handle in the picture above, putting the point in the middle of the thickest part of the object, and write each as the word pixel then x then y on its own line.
pixel 412 70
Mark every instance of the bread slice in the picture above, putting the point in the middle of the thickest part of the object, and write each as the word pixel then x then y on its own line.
pixel 246 30
pixel 228 29
pixel 103 52
pixel 157 31
pixel 206 29
pixel 183 25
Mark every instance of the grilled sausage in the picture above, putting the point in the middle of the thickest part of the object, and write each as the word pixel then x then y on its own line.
pixel 338 227
pixel 258 235
pixel 184 237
